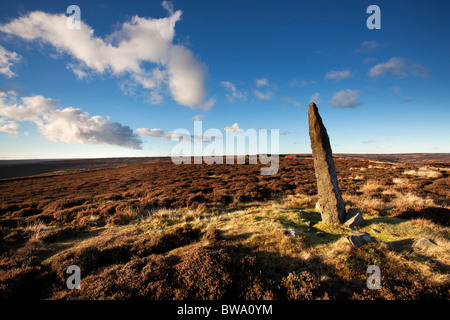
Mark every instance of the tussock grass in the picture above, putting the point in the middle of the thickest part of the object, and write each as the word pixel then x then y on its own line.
pixel 35 230
pixel 426 172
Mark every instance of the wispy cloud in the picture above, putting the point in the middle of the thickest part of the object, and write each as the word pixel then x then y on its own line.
pixel 346 99
pixel 57 122
pixel 295 83
pixel 338 74
pixel 172 135
pixel 234 94
pixel 407 99
pixel 198 117
pixel 315 97
pixel 262 82
pixel 369 60
pixel 368 46
pixel 9 126
pixel 368 141
pixel 396 89
pixel 263 95
pixel 294 101
pixel 234 128
pixel 7 60
pixel 208 104
pixel 268 89
pixel 123 53
pixel 399 67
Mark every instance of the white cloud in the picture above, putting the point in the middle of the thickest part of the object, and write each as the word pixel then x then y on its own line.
pixel 123 52
pixel 235 94
pixel 346 99
pixel 156 133
pixel 155 98
pixel 262 82
pixel 198 117
pixel 368 46
pixel 66 124
pixel 295 102
pixel 338 74
pixel 9 126
pixel 207 105
pixel 395 66
pixel 269 88
pixel 168 135
pixel 7 60
pixel 167 5
pixel 263 95
pixel 234 128
pixel 315 97
pixel 399 67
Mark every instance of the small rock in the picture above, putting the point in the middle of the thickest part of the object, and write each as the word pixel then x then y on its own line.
pixel 353 218
pixel 375 230
pixel 425 243
pixel 292 232
pixel 310 223
pixel 360 240
pixel 368 238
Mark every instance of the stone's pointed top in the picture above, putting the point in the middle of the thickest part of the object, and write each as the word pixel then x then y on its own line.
pixel 313 111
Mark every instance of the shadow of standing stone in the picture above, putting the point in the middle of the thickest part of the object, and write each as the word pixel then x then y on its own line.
pixel 330 204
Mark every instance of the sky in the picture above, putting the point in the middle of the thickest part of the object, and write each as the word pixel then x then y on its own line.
pixel 119 81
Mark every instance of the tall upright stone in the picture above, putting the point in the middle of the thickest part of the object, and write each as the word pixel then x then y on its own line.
pixel 330 204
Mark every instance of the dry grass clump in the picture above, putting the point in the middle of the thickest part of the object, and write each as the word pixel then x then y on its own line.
pixel 402 182
pixel 302 286
pixel 301 200
pixel 410 201
pixel 426 172
pixel 125 213
pixel 35 230
pixel 368 205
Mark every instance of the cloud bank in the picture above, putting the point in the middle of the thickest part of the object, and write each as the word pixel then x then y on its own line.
pixel 124 52
pixel 61 123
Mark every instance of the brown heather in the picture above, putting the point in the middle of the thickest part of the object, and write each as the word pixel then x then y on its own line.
pixel 162 231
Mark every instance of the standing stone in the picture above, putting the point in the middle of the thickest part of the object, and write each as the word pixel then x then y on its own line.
pixel 330 204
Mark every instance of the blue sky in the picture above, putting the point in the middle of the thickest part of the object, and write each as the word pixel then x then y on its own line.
pixel 137 70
